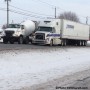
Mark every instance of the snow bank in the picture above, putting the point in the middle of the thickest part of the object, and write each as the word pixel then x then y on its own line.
pixel 19 69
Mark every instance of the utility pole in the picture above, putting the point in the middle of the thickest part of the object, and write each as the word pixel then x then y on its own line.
pixel 7 11
pixel 87 20
pixel 55 12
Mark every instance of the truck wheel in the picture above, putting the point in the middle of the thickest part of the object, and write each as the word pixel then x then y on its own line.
pixel 26 41
pixel 80 43
pixel 11 42
pixel 65 42
pixel 31 42
pixel 62 43
pixel 20 41
pixel 51 43
pixel 5 41
pixel 85 43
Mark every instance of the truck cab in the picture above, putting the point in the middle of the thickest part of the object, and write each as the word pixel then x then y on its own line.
pixel 11 33
pixel 19 32
pixel 48 32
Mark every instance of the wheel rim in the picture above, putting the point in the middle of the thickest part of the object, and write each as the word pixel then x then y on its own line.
pixel 80 43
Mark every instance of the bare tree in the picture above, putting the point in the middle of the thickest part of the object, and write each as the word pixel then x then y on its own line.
pixel 4 26
pixel 69 16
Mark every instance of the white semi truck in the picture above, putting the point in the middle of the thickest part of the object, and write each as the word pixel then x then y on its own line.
pixel 61 32
pixel 19 32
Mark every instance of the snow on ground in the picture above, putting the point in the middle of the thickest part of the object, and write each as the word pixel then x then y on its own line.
pixel 22 69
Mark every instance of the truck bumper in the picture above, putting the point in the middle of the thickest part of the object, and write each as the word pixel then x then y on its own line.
pixel 40 42
pixel 10 38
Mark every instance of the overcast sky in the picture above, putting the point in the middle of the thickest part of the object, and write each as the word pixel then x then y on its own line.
pixel 45 7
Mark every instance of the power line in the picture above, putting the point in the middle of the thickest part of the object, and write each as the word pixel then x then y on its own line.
pixel 26 14
pixel 55 7
pixel 30 11
pixel 46 3
pixel 50 4
pixel 21 13
pixel 18 12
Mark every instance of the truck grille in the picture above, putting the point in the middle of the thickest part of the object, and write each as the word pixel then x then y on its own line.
pixel 40 36
pixel 9 33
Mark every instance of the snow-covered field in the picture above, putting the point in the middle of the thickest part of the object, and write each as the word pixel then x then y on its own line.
pixel 20 69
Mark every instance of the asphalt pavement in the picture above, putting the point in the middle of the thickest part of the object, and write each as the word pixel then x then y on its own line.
pixel 76 81
pixel 35 47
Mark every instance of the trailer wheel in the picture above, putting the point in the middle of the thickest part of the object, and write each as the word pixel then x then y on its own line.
pixel 51 43
pixel 20 41
pixel 80 43
pixel 85 43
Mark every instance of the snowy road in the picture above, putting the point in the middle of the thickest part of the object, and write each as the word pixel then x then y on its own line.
pixel 77 81
pixel 4 47
pixel 24 68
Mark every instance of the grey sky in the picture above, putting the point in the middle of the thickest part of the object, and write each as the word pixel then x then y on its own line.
pixel 80 7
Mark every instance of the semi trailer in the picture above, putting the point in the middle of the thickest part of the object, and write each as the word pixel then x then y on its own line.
pixel 19 32
pixel 61 32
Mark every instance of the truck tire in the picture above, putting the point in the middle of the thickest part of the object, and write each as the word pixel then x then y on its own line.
pixel 20 40
pixel 65 42
pixel 62 43
pixel 80 43
pixel 5 41
pixel 26 40
pixel 11 42
pixel 31 42
pixel 51 43
pixel 85 43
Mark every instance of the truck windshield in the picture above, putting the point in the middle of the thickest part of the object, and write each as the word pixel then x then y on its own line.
pixel 47 29
pixel 14 26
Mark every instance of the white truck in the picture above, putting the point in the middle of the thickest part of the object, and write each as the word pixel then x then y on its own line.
pixel 19 32
pixel 61 32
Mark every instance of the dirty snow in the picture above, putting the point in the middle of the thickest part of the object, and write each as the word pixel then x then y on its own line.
pixel 23 69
